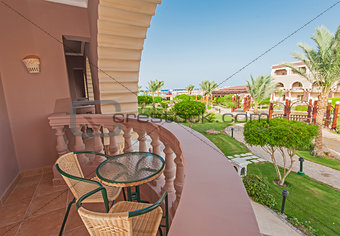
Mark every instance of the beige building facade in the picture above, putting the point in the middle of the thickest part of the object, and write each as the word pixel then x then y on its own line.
pixel 294 86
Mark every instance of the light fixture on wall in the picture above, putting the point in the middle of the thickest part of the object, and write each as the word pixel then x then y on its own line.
pixel 32 63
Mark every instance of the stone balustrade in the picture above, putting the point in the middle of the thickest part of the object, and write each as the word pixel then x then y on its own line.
pixel 207 196
pixel 92 126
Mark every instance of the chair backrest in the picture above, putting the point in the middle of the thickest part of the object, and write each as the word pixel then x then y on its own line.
pixel 100 224
pixel 115 224
pixel 69 168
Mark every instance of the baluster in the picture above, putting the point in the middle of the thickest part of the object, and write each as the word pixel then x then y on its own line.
pixel 61 146
pixel 170 170
pixel 155 143
pixel 156 148
pixel 142 140
pixel 179 181
pixel 127 139
pixel 97 143
pixel 113 148
pixel 79 145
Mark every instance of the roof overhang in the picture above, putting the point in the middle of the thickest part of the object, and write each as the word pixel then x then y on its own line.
pixel 77 3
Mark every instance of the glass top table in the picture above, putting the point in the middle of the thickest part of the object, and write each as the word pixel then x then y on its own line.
pixel 130 170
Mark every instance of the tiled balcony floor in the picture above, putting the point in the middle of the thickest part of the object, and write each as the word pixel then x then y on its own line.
pixel 37 207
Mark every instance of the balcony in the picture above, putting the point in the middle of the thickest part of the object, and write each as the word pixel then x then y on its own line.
pixel 206 194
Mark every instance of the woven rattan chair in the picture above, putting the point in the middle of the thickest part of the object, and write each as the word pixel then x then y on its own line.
pixel 68 166
pixel 125 218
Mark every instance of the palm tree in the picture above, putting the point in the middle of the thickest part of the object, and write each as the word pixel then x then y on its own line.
pixel 153 87
pixel 160 84
pixel 323 66
pixel 189 88
pixel 259 89
pixel 207 88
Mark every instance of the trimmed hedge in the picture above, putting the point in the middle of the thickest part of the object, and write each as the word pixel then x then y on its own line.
pixel 257 189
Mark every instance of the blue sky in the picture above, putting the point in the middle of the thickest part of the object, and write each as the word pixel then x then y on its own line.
pixel 194 40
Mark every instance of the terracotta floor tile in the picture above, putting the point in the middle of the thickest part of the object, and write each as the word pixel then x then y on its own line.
pixel 20 193
pixel 48 187
pixel 80 231
pixel 97 207
pixel 47 203
pixel 9 230
pixel 29 181
pixel 42 225
pixel 47 177
pixel 73 220
pixel 12 213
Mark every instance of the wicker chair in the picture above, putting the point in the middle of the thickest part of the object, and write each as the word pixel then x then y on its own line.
pixel 125 218
pixel 68 166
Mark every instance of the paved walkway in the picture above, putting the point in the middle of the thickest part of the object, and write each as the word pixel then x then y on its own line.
pixel 316 171
pixel 331 141
pixel 270 223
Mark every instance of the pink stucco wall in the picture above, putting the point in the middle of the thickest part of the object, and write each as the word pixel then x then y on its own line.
pixel 8 161
pixel 31 98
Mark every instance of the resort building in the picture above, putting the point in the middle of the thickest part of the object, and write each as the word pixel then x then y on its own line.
pixel 241 90
pixel 294 86
pixel 66 66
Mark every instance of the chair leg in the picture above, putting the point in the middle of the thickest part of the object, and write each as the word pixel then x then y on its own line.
pixel 66 215
pixel 124 194
pixel 166 217
pixel 160 231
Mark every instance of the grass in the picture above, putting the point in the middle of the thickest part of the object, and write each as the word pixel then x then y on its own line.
pixel 308 200
pixel 326 161
pixel 229 146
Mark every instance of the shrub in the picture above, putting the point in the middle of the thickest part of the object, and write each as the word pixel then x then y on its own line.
pixel 183 97
pixel 210 117
pixel 257 189
pixel 189 110
pixel 231 104
pixel 228 97
pixel 265 101
pixel 158 99
pixel 143 100
pixel 165 105
pixel 301 108
pixel 219 100
pixel 284 136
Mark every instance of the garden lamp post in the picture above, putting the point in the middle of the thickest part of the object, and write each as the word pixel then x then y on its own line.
pixel 301 160
pixel 284 196
pixel 232 132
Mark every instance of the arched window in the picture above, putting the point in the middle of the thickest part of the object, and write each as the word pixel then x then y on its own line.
pixel 280 85
pixel 281 72
pixel 303 68
pixel 297 84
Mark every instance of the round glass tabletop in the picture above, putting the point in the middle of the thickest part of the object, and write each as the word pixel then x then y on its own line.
pixel 130 169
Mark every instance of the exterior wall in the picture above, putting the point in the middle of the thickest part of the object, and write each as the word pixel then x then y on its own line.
pixel 8 162
pixel 31 97
pixel 289 78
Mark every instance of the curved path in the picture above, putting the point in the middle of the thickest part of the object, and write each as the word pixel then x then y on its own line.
pixel 316 171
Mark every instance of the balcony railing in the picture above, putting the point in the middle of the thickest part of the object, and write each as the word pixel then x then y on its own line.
pixel 206 194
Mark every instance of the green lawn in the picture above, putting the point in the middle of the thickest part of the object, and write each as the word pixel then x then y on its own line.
pixel 228 145
pixel 326 161
pixel 308 200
